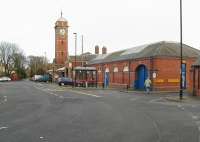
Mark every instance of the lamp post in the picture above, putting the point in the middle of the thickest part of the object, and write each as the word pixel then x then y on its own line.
pixel 75 34
pixel 53 79
pixel 181 51
pixel 82 50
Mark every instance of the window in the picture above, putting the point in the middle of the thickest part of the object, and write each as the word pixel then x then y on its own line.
pixel 107 70
pixel 125 69
pixel 115 69
pixel 198 79
pixel 99 69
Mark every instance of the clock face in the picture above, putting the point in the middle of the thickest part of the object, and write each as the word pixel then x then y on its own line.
pixel 62 32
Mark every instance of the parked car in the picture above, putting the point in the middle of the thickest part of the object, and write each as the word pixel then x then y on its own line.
pixel 4 79
pixel 37 77
pixel 45 78
pixel 65 81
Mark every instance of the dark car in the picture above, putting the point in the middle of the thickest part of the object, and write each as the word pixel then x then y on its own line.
pixel 65 81
pixel 45 78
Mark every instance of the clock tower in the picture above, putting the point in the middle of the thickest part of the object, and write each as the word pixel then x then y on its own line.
pixel 61 41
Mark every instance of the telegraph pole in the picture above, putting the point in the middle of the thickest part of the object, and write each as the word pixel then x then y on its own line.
pixel 75 34
pixel 82 49
pixel 181 50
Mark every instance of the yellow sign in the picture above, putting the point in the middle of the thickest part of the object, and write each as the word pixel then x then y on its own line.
pixel 173 80
pixel 159 80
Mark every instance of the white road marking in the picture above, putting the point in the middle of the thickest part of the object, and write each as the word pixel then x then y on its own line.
pixel 134 99
pixel 41 137
pixel 5 98
pixel 193 106
pixel 45 90
pixel 179 106
pixel 155 100
pixel 78 92
pixel 195 117
pixel 87 94
pixel 55 90
pixel 61 97
pixel 1 128
pixel 182 108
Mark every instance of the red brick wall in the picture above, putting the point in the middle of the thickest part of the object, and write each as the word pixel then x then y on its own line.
pixel 196 85
pixel 61 43
pixel 78 63
pixel 167 71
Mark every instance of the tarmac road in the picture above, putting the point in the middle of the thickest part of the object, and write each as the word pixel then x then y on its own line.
pixel 37 112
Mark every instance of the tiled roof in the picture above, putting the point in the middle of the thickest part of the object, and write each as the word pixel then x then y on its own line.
pixel 86 57
pixel 163 48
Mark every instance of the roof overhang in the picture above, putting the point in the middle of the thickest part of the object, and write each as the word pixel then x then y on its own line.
pixel 86 68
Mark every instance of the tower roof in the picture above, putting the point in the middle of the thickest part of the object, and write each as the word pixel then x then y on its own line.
pixel 62 19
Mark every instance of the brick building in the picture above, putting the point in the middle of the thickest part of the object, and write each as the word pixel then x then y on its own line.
pixel 159 61
pixel 196 78
pixel 64 63
pixel 61 42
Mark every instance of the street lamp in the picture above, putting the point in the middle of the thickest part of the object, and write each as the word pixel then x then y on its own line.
pixel 75 34
pixel 181 51
pixel 82 50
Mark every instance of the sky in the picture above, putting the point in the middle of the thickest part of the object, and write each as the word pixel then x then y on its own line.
pixel 116 24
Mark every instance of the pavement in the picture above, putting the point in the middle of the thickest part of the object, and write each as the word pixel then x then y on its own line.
pixel 40 112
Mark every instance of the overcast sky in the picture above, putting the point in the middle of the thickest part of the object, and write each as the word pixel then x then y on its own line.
pixel 116 24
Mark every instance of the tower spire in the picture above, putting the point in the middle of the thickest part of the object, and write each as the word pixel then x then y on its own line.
pixel 61 13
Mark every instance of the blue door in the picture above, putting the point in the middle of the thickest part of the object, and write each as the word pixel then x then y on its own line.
pixel 184 76
pixel 106 79
pixel 142 75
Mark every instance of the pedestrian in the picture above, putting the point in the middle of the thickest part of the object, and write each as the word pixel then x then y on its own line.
pixel 147 85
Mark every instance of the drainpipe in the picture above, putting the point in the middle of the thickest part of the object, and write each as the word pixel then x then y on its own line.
pixel 152 71
pixel 193 92
pixel 129 74
pixel 103 76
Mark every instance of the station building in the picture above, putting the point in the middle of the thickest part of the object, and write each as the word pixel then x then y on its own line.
pixel 196 78
pixel 130 67
pixel 159 61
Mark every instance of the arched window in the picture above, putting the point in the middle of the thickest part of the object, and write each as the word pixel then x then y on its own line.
pixel 115 69
pixel 107 70
pixel 99 69
pixel 125 69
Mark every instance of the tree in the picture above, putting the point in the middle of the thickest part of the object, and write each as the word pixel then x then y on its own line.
pixel 19 63
pixel 37 65
pixel 12 58
pixel 7 50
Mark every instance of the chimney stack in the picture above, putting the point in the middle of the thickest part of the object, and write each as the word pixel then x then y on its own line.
pixel 96 49
pixel 104 50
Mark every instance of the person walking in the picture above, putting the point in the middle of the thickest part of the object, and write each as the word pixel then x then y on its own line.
pixel 147 85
